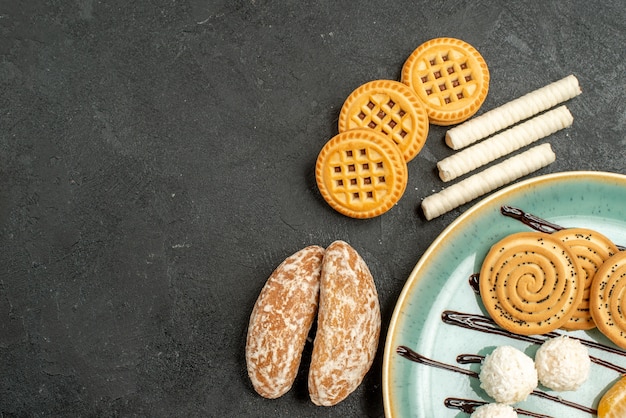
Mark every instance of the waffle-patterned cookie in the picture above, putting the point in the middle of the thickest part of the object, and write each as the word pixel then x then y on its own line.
pixel 391 108
pixel 530 283
pixel 591 249
pixel 450 77
pixel 361 173
pixel 608 298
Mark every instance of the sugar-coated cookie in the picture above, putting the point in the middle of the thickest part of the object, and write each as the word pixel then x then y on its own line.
pixel 280 322
pixel 348 326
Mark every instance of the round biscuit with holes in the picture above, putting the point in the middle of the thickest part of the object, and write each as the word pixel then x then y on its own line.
pixel 450 77
pixel 361 173
pixel 391 108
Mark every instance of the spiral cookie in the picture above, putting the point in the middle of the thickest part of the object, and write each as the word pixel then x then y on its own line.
pixel 450 77
pixel 530 283
pixel 607 299
pixel 591 249
pixel 361 173
pixel 391 108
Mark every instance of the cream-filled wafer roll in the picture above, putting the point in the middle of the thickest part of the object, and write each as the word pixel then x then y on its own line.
pixel 487 180
pixel 504 143
pixel 512 112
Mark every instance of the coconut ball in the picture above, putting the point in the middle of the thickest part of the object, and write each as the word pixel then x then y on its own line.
pixel 508 375
pixel 562 363
pixel 494 410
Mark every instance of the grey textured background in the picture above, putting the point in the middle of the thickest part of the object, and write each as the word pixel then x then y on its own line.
pixel 156 164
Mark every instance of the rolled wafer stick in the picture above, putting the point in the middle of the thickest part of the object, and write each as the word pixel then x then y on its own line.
pixel 487 180
pixel 512 112
pixel 504 143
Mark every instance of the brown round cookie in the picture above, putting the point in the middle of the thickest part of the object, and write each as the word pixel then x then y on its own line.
pixel 391 108
pixel 361 173
pixel 591 249
pixel 450 77
pixel 607 300
pixel 530 283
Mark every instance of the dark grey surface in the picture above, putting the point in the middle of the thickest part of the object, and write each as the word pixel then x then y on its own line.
pixel 156 164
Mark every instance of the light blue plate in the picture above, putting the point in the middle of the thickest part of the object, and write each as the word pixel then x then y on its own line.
pixel 440 282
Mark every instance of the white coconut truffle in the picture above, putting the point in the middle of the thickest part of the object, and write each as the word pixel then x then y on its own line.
pixel 508 375
pixel 494 410
pixel 562 364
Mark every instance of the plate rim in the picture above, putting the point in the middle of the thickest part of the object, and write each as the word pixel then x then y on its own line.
pixel 412 279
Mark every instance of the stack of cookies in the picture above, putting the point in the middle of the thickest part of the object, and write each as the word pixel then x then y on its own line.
pixel 573 279
pixel 362 172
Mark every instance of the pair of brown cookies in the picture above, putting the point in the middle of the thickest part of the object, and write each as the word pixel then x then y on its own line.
pixel 333 285
pixel 534 283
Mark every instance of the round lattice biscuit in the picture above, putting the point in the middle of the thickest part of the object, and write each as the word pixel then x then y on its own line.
pixel 530 283
pixel 361 173
pixel 591 249
pixel 607 300
pixel 450 77
pixel 391 108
